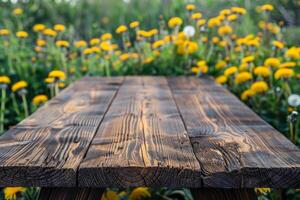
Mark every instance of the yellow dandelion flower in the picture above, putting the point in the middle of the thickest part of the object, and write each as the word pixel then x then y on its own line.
pixel 148 60
pixel 267 7
pixel 174 21
pixel 139 193
pixel 287 64
pixel 214 22
pixel 293 53
pixel 272 62
pixel 62 43
pixel 225 12
pixel 200 69
pixel 49 80
pixel 243 67
pixel 225 30
pixel 215 40
pixel 59 27
pixel 41 42
pixel 254 43
pixel 262 71
pixel 57 74
pixel 201 63
pixel 87 51
pixel 94 41
pixel 158 44
pixel 262 190
pixel 243 77
pixel 278 44
pixel 223 43
pixel 80 44
pixel 239 10
pixel 259 87
pixel 201 22
pixel 196 16
pixel 134 24
pixel 221 79
pixel 221 64
pixel 232 17
pixel 39 99
pixel 4 80
pixel 49 32
pixel 221 17
pixel 106 46
pixel 11 192
pixel 189 47
pixel 19 85
pixel 144 33
pixel 39 27
pixel 4 32
pixel 121 29
pixel 190 7
pixel 247 94
pixel 106 36
pixel 95 49
pixel 22 34
pixel 153 32
pixel 248 59
pixel 18 11
pixel 284 73
pixel 230 71
pixel 110 195
pixel 124 56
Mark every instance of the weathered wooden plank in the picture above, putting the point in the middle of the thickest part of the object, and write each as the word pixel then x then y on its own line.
pixel 235 147
pixel 71 194
pixel 141 142
pixel 223 194
pixel 46 148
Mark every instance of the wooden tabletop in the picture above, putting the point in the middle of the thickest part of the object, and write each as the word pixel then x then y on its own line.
pixel 147 131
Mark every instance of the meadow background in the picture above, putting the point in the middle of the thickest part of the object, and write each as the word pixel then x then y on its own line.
pixel 252 47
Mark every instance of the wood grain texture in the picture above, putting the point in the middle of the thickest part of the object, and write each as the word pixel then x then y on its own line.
pixel 224 194
pixel 46 148
pixel 141 142
pixel 235 147
pixel 71 194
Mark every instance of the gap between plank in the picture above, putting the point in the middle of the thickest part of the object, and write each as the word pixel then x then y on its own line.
pixel 97 128
pixel 185 127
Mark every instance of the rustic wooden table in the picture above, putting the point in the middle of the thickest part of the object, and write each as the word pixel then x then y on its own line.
pixel 146 131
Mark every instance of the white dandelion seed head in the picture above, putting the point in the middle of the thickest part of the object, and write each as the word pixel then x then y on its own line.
pixel 294 100
pixel 189 31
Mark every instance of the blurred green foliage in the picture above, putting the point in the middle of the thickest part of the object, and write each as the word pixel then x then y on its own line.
pixel 87 18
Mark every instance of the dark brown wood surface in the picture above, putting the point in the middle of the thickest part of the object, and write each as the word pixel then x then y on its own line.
pixel 235 147
pixel 46 148
pixel 141 141
pixel 147 131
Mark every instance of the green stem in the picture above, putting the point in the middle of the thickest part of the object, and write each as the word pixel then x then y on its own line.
pixel 15 104
pixel 56 88
pixel 25 105
pixel 107 68
pixel 51 91
pixel 296 132
pixel 3 97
